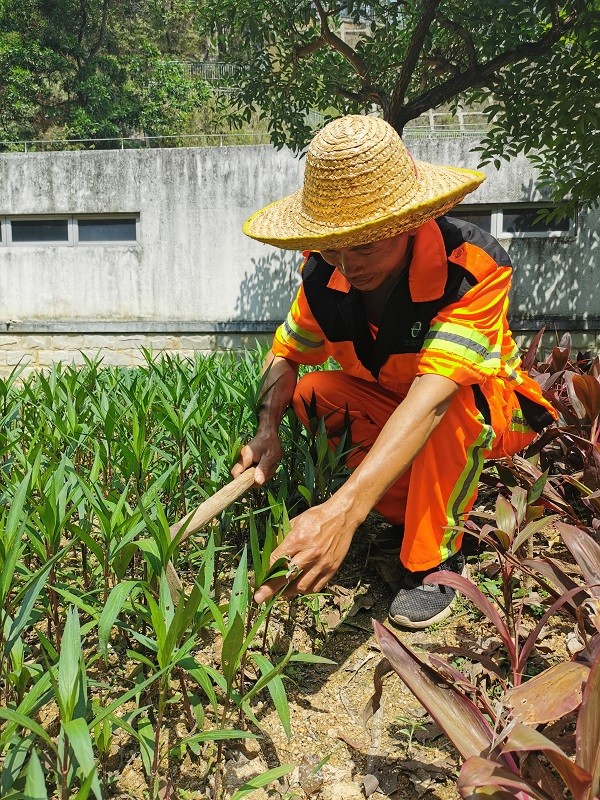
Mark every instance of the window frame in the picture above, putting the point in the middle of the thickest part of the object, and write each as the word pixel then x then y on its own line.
pixel 496 212
pixel 107 242
pixel 72 240
pixel 7 239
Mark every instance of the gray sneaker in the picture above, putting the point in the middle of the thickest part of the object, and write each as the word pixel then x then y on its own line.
pixel 417 605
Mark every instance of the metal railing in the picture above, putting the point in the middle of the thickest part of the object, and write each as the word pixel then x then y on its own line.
pixel 135 142
pixel 467 124
pixel 210 71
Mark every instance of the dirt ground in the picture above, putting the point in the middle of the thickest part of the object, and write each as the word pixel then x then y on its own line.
pixel 398 753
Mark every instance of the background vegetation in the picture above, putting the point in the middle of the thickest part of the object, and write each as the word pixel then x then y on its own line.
pixel 99 68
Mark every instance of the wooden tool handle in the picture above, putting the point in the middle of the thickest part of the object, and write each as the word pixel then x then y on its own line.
pixel 214 505
pixel 203 515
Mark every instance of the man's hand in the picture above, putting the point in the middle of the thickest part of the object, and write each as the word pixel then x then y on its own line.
pixel 316 544
pixel 265 451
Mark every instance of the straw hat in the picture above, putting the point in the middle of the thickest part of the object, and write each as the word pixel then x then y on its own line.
pixel 360 185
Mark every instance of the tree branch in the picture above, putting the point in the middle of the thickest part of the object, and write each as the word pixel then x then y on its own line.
pixel 478 76
pixel 307 49
pixel 463 34
pixel 100 38
pixel 338 44
pixel 414 51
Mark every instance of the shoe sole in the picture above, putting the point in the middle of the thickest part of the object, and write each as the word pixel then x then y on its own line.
pixel 405 622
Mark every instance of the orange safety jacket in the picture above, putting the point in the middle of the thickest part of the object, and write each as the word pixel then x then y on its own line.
pixel 447 315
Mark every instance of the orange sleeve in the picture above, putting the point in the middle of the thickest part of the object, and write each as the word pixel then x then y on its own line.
pixel 299 338
pixel 469 341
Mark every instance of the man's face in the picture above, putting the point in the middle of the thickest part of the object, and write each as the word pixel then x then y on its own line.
pixel 367 266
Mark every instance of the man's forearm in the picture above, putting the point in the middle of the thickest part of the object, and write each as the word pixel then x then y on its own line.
pixel 397 445
pixel 280 378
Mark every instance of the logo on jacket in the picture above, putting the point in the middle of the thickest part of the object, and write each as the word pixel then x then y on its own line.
pixel 416 330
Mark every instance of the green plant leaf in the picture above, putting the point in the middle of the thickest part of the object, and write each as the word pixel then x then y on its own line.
pixel 231 652
pixel 35 781
pixel 15 755
pixel 110 612
pixel 33 589
pixel 311 658
pixel 80 742
pixel 274 685
pixel 240 591
pixel 69 664
pixel 262 780
pixel 219 735
pixel 29 724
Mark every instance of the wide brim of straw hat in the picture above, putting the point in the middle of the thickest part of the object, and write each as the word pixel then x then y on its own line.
pixel 360 185
pixel 285 224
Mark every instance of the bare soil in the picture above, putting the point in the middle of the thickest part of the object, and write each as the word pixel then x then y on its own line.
pixel 399 753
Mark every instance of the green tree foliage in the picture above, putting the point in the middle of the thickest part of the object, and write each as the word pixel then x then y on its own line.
pixel 535 63
pixel 95 68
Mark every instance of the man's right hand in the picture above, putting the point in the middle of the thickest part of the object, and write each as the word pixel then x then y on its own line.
pixel 265 451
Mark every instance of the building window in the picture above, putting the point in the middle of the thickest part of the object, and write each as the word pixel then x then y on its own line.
pixel 72 230
pixel 523 221
pixel 515 220
pixel 114 229
pixel 479 217
pixel 39 231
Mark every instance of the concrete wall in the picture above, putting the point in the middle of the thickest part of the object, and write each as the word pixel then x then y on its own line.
pixel 193 273
pixel 554 279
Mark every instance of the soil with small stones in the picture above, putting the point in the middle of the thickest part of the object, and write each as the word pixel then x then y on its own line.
pixel 337 755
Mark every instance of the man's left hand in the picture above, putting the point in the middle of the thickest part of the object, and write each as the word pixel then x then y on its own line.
pixel 316 545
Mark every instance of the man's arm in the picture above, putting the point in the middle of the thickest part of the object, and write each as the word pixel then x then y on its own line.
pixel 265 448
pixel 320 537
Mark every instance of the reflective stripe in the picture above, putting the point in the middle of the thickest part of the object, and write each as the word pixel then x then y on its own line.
pixel 514 358
pixel 512 375
pixel 301 337
pixel 463 333
pixel 463 341
pixel 465 487
pixel 469 346
pixel 297 337
pixel 518 422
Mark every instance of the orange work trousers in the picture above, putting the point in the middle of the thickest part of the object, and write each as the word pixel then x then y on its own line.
pixel 436 494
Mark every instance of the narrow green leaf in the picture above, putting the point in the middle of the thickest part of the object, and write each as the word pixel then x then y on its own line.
pixel 309 658
pixel 240 591
pixel 78 734
pixel 69 663
pixel 110 612
pixel 26 722
pixel 276 689
pixel 262 780
pixel 15 756
pixel 35 782
pixel 219 735
pixel 34 587
pixel 231 651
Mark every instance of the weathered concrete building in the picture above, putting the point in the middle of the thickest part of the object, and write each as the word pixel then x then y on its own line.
pixel 108 251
